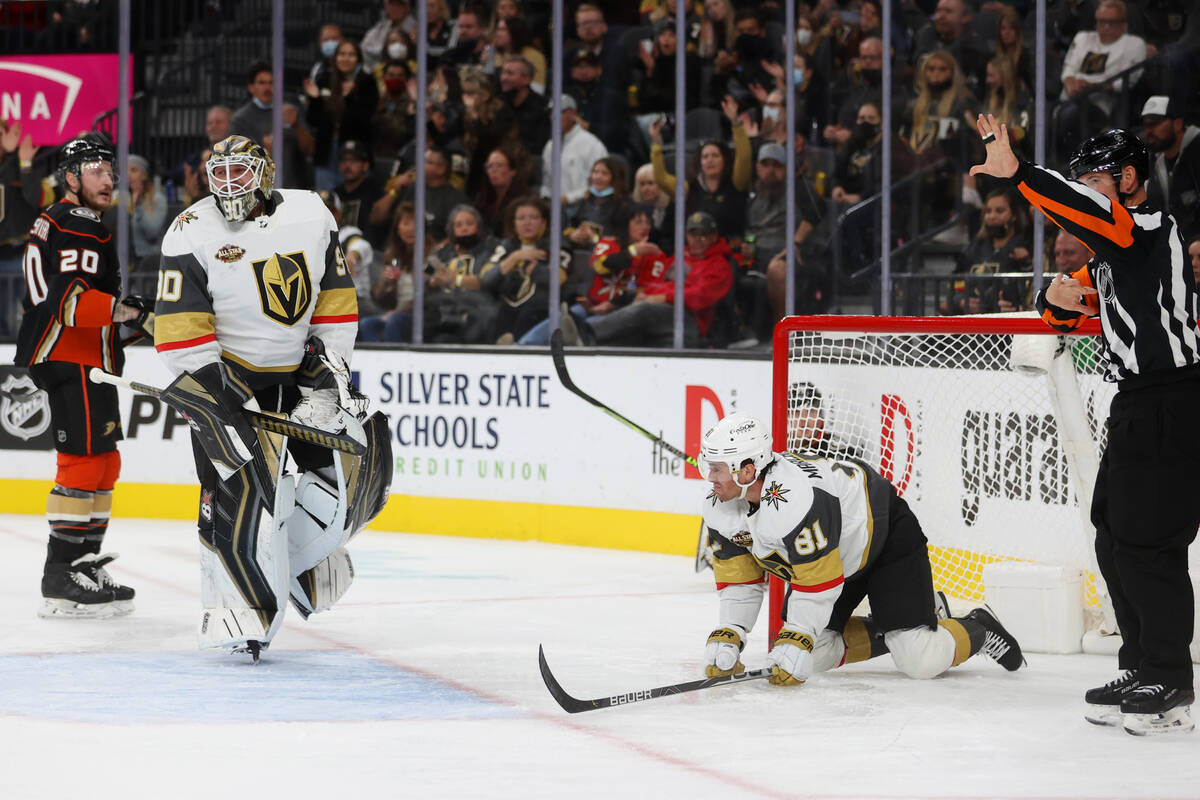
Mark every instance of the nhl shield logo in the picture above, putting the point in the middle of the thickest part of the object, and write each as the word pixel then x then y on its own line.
pixel 24 408
pixel 284 286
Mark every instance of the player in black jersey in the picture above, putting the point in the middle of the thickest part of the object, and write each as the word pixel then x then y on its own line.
pixel 1145 506
pixel 72 315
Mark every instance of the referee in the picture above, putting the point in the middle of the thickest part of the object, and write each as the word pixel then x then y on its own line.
pixel 1146 505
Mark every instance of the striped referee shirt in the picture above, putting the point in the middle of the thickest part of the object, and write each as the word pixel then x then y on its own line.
pixel 1146 294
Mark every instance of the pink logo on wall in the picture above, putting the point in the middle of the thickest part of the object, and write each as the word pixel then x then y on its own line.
pixel 56 97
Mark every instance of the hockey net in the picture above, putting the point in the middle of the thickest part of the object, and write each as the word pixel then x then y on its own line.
pixel 989 427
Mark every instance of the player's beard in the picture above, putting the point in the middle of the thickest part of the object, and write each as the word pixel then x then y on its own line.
pixel 96 200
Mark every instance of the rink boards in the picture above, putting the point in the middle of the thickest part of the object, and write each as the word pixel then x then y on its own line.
pixel 486 444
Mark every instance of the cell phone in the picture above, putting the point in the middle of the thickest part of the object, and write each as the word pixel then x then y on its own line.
pixel 647 46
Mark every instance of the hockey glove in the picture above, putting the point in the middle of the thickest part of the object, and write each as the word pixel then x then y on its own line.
pixel 212 399
pixel 324 382
pixel 791 658
pixel 722 651
pixel 143 323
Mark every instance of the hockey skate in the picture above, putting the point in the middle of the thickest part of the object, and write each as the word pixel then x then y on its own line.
pixel 253 647
pixel 1154 709
pixel 1104 702
pixel 998 645
pixel 78 591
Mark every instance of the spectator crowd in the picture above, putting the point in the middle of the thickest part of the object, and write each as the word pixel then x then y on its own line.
pixel 350 126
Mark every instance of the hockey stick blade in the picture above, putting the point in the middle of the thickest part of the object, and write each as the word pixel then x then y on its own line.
pixel 560 366
pixel 573 705
pixel 258 419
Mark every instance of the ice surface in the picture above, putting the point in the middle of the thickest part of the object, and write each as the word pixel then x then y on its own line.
pixel 423 682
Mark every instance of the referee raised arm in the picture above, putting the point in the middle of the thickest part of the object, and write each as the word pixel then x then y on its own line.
pixel 1146 507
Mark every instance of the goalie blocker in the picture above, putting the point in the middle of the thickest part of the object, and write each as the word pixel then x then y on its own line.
pixel 274 515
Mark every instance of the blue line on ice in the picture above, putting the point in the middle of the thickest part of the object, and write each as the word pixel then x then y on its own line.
pixel 210 686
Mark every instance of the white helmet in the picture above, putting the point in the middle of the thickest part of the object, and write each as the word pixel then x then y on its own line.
pixel 736 439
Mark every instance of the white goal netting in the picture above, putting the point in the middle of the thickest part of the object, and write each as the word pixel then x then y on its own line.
pixel 991 433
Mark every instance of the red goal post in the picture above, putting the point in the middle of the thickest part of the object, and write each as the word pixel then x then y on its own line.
pixel 989 427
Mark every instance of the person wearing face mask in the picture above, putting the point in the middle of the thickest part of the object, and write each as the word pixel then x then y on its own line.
pixel 753 50
pixel 580 151
pixel 327 41
pixel 1002 244
pixel 398 15
pixel 591 217
pixel 255 119
pixel 457 310
pixel 394 122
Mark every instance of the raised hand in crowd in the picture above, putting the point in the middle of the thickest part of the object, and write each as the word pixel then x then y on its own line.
pixel 730 107
pixel 10 139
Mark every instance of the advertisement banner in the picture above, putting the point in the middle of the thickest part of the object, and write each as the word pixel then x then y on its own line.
pixel 486 426
pixel 57 97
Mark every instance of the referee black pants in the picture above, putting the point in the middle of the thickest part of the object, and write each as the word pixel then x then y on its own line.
pixel 1146 509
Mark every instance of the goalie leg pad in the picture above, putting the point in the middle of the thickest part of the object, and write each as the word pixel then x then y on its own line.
pixel 244 559
pixel 921 653
pixel 318 588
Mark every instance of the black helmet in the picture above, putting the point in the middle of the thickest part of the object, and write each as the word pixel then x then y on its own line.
pixel 1110 152
pixel 86 149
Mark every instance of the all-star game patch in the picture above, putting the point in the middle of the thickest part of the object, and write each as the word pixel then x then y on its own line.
pixel 230 253
pixel 774 494
pixel 742 539
pixel 184 219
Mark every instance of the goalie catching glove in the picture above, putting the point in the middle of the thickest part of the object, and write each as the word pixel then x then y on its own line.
pixel 722 652
pixel 324 382
pixel 791 658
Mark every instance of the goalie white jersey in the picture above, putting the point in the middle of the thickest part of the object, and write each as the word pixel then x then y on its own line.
pixel 253 292
pixel 820 521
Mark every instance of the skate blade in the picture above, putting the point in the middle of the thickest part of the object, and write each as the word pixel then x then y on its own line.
pixel 57 608
pixel 1103 715
pixel 1175 720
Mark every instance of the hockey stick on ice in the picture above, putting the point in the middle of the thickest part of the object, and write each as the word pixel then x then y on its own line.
pixel 573 705
pixel 560 365
pixel 258 419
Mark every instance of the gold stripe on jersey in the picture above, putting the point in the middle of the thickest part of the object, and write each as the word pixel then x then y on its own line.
pixel 68 305
pixel 336 303
pixel 244 364
pixel 739 569
pixel 49 341
pixel 183 326
pixel 823 572
pixel 962 640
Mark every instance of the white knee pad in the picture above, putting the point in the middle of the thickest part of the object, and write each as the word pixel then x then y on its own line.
pixel 921 653
pixel 317 525
pixel 828 651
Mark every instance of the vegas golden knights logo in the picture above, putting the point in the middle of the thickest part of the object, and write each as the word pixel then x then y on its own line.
pixel 284 286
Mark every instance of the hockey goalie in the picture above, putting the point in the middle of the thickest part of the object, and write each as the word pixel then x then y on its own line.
pixel 256 309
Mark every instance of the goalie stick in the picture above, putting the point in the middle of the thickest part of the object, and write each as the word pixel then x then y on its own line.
pixel 573 705
pixel 560 366
pixel 258 419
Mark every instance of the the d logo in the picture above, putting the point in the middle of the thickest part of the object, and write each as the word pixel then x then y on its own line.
pixel 284 286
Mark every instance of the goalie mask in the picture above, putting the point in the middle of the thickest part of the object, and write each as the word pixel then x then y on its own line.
pixel 241 175
pixel 733 441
